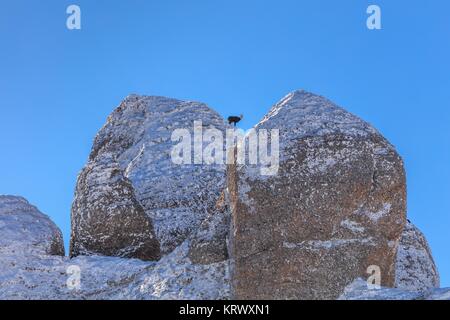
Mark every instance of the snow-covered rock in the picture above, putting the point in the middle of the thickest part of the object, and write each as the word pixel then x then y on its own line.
pixel 52 277
pixel 209 243
pixel 360 290
pixel 28 270
pixel 175 198
pixel 415 268
pixel 24 229
pixel 109 220
pixel 336 206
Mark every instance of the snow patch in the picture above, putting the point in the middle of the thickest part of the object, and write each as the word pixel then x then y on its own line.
pixel 352 226
pixel 325 244
pixel 375 216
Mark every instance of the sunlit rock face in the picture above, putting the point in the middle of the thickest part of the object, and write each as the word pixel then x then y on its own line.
pixel 149 202
pixel 415 267
pixel 336 206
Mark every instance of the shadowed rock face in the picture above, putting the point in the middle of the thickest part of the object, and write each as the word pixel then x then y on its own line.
pixel 25 230
pixel 108 219
pixel 336 206
pixel 209 243
pixel 415 267
pixel 131 199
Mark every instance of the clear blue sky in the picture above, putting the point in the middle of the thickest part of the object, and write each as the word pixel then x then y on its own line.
pixel 58 86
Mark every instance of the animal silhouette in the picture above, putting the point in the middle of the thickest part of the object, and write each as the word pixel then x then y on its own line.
pixel 235 119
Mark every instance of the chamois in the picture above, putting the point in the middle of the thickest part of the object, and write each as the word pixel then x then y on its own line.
pixel 234 119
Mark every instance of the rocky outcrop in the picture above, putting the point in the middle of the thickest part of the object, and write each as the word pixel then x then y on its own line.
pixel 336 206
pixel 25 230
pixel 416 275
pixel 131 177
pixel 415 268
pixel 30 270
pixel 45 277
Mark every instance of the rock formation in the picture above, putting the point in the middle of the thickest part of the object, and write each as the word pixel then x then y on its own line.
pixel 110 221
pixel 24 229
pixel 415 269
pixel 131 178
pixel 209 243
pixel 30 270
pixel 336 206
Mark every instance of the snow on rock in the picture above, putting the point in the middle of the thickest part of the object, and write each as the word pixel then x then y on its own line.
pixel 108 219
pixel 28 270
pixel 439 294
pixel 175 198
pixel 24 229
pixel 336 206
pixel 173 277
pixel 209 244
pixel 176 277
pixel 360 290
pixel 415 268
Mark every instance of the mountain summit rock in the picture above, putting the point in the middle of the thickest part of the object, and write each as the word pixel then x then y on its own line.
pixel 336 207
pixel 144 227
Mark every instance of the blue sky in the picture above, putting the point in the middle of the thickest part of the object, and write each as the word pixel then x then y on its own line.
pixel 58 86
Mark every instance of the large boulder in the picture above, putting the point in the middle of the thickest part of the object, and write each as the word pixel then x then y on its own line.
pixel 109 220
pixel 415 267
pixel 25 230
pixel 335 207
pixel 131 177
